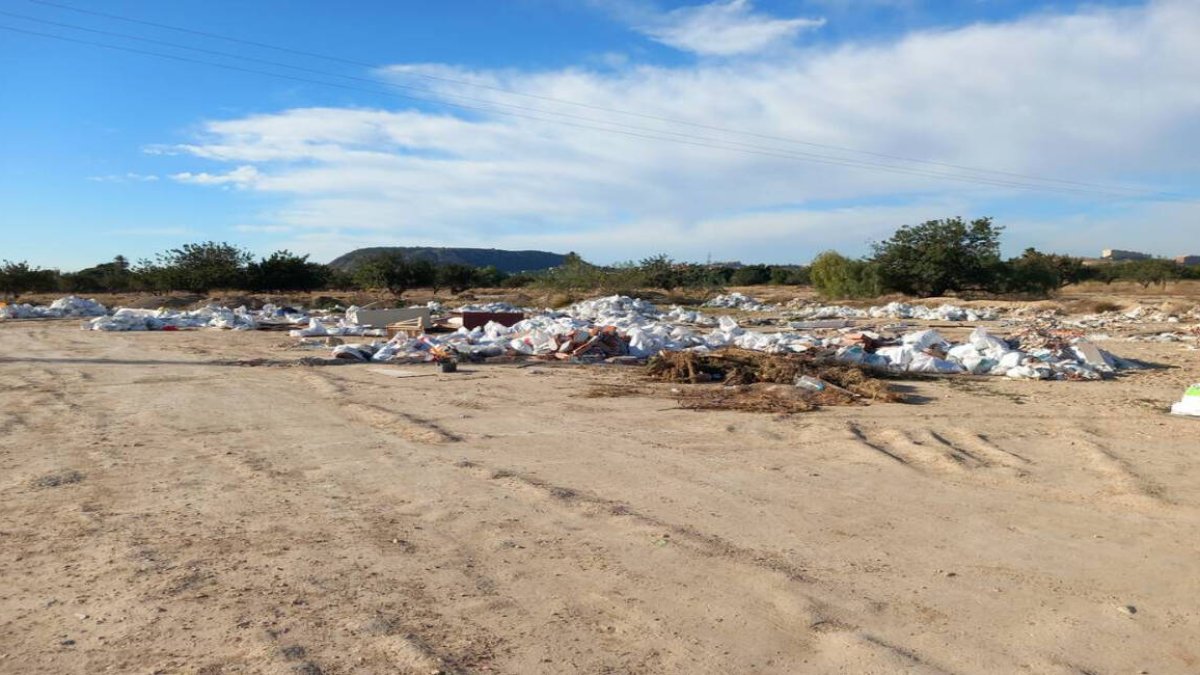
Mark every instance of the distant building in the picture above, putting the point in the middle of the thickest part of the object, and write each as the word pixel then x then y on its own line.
pixel 1117 255
pixel 1188 260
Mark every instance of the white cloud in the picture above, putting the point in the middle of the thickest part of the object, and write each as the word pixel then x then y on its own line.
pixel 124 178
pixel 241 177
pixel 1104 95
pixel 722 28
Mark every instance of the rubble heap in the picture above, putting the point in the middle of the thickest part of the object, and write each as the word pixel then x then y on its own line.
pixel 212 316
pixel 63 308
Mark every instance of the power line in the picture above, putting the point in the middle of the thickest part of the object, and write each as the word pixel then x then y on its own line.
pixel 1110 189
pixel 440 100
pixel 731 146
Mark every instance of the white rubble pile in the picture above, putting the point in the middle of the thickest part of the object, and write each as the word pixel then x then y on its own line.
pixel 1133 317
pixel 329 326
pixel 739 301
pixel 900 310
pixel 130 319
pixel 985 354
pixel 895 310
pixel 817 312
pixel 647 331
pixel 67 307
pixel 680 315
pixel 212 316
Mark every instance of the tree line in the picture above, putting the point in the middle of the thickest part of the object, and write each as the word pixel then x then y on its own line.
pixel 954 256
pixel 933 258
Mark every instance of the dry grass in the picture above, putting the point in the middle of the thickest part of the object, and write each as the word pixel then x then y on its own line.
pixel 759 382
pixel 743 367
pixel 613 390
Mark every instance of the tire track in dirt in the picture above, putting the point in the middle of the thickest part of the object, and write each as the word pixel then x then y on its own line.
pixel 830 626
pixel 1124 482
pixel 860 438
pixel 408 426
pixel 704 544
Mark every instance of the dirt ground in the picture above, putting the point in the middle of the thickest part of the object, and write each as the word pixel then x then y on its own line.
pixel 165 509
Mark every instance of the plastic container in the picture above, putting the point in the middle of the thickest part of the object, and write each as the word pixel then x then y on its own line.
pixel 1189 404
pixel 449 366
pixel 810 383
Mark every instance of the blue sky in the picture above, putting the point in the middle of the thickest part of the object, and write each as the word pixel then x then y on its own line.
pixel 109 152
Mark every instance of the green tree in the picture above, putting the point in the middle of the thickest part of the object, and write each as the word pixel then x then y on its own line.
pixel 836 276
pixel 750 275
pixel 660 272
pixel 198 268
pixel 286 271
pixel 1033 272
pixel 938 256
pixel 1155 271
pixel 395 272
pixel 20 277
pixel 455 276
pixel 790 275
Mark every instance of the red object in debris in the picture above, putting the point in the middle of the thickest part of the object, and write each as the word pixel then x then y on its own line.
pixel 170 327
pixel 480 319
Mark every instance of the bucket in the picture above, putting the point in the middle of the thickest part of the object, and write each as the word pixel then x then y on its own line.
pixel 449 366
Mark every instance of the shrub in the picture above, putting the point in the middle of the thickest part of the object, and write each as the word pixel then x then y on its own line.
pixel 836 276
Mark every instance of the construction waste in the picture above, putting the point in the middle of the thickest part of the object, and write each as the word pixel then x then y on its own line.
pixel 738 301
pixel 130 319
pixel 63 308
pixel 623 328
pixel 1190 403
pixel 893 310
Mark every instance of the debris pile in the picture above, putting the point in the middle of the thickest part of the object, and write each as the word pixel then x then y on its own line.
pixel 1133 317
pixel 130 319
pixel 68 307
pixel 892 310
pixel 619 328
pixel 780 383
pixel 738 301
pixel 1032 355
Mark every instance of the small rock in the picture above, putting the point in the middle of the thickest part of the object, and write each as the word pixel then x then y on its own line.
pixel 1127 609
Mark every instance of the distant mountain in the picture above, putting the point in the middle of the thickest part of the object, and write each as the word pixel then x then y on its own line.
pixel 505 261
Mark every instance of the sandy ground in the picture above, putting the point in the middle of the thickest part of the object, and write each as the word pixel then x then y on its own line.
pixel 226 518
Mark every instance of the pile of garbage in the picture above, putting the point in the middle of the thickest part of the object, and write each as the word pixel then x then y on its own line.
pixel 1133 317
pixel 333 327
pixel 63 308
pixel 893 310
pixel 1046 357
pixel 739 301
pixel 131 319
pixel 623 328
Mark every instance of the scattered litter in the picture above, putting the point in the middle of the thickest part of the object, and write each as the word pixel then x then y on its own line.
pixel 1189 404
